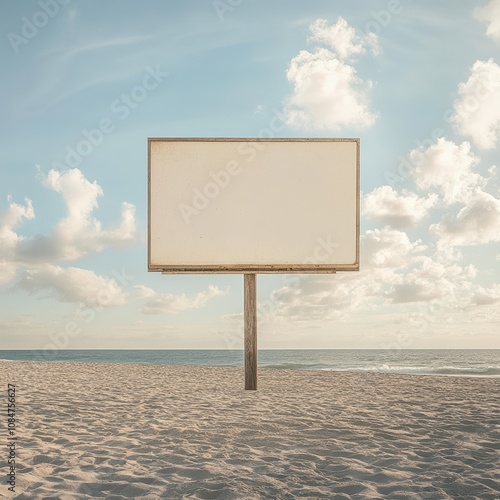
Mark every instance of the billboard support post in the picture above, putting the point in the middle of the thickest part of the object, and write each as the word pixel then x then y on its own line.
pixel 250 299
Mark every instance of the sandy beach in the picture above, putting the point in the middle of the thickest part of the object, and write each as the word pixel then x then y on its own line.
pixel 87 430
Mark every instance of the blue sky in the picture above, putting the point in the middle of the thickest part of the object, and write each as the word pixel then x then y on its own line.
pixel 418 82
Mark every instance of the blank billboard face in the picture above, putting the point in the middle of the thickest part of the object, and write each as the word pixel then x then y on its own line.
pixel 253 205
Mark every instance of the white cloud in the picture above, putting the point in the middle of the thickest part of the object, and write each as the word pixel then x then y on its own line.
pixel 388 248
pixel 342 38
pixel 78 193
pixel 169 303
pixel 327 92
pixel 394 271
pixel 71 285
pixel 79 233
pixel 9 219
pixel 407 209
pixel 490 14
pixel 476 223
pixel 318 298
pixel 477 110
pixel 143 292
pixel 434 280
pixel 486 296
pixel 447 167
pixel 384 253
pixel 74 236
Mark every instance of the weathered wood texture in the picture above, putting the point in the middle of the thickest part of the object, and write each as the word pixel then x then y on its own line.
pixel 250 299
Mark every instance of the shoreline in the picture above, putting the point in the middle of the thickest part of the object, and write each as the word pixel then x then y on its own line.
pixel 260 368
pixel 96 430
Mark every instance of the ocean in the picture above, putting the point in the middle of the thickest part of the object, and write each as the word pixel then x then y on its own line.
pixel 450 362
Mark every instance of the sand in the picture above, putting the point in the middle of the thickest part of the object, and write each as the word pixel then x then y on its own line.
pixel 113 431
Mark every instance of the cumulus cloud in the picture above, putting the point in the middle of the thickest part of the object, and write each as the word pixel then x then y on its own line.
pixel 490 14
pixel 407 209
pixel 169 303
pixel 342 38
pixel 10 218
pixel 143 292
pixel 449 168
pixel 487 296
pixel 317 298
pixel 327 92
pixel 74 236
pixel 434 280
pixel 384 253
pixel 389 248
pixel 395 271
pixel 477 110
pixel 79 233
pixel 71 285
pixel 476 223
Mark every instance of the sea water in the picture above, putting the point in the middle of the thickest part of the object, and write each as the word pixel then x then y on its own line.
pixel 451 362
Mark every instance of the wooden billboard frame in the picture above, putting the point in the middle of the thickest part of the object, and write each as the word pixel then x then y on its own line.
pixel 260 268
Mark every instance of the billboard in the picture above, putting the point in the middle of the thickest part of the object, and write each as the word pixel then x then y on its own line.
pixel 247 205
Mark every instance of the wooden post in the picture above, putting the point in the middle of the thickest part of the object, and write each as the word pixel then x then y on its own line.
pixel 250 331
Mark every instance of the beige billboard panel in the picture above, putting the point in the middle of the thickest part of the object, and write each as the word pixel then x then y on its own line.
pixel 253 205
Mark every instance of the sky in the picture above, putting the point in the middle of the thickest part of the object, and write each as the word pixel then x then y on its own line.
pixel 85 83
